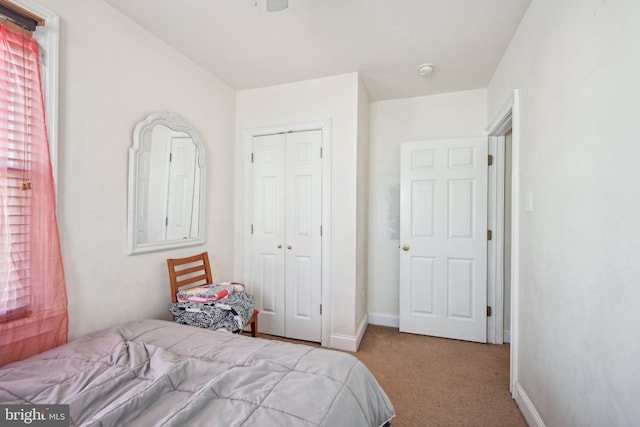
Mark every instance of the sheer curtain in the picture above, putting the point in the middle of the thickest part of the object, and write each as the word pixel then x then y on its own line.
pixel 33 298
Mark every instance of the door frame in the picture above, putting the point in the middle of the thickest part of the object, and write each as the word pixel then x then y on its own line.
pixel 325 127
pixel 508 118
pixel 495 246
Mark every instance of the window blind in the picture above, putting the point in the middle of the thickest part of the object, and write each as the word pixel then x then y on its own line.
pixel 19 76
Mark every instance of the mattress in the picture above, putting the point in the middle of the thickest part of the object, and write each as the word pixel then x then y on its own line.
pixel 158 373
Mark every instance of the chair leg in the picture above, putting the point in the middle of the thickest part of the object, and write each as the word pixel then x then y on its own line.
pixel 254 327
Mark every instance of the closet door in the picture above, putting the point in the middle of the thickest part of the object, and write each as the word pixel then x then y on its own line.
pixel 286 250
pixel 303 286
pixel 268 228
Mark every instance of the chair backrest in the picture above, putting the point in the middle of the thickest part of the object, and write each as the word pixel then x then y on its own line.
pixel 193 270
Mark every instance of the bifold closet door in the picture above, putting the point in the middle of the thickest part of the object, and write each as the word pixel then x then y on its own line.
pixel 303 287
pixel 268 226
pixel 286 240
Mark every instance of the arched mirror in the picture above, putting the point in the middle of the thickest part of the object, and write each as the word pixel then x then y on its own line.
pixel 166 185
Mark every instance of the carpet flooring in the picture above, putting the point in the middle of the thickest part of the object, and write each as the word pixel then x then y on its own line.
pixel 440 382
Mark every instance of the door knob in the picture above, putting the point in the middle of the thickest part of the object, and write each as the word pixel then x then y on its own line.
pixel 289 247
pixel 279 246
pixel 405 248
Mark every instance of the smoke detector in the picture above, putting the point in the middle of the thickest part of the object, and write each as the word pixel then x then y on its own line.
pixel 277 5
pixel 426 69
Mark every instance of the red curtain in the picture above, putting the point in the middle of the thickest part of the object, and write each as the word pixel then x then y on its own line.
pixel 33 298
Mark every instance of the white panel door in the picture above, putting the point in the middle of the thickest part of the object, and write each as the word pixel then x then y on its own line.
pixel 303 222
pixel 443 237
pixel 286 249
pixel 180 194
pixel 267 252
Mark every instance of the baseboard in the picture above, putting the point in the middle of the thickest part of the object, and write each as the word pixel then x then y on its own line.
pixel 384 319
pixel 344 343
pixel 347 342
pixel 393 321
pixel 526 407
pixel 362 328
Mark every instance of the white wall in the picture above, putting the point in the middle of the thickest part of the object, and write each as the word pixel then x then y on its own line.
pixel 113 74
pixel 449 115
pixel 334 99
pixel 362 208
pixel 577 66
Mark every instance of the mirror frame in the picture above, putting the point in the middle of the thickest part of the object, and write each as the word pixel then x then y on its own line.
pixel 177 123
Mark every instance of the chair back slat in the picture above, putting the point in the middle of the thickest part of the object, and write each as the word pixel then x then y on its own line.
pixel 193 270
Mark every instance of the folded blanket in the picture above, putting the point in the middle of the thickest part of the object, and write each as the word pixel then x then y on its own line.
pixel 209 293
pixel 231 314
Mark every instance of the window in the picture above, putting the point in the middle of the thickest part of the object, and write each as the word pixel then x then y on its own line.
pixel 33 301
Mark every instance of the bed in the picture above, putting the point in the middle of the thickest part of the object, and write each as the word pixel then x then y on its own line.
pixel 158 373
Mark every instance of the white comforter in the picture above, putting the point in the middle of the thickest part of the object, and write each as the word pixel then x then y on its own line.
pixel 157 373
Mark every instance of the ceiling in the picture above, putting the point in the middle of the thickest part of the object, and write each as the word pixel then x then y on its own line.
pixel 383 40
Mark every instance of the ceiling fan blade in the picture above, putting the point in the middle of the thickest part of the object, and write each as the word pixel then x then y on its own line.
pixel 276 5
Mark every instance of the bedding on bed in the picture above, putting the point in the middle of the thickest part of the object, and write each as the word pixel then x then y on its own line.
pixel 158 373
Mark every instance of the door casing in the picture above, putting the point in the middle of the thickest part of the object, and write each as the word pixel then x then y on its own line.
pixel 509 118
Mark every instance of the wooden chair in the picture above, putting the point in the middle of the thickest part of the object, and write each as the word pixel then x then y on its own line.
pixel 195 270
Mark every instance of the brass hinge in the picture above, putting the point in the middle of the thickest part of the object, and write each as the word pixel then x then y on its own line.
pixel 251 228
pixel 490 160
pixel 489 235
pixel 320 152
pixel 488 311
pixel 321 230
pixel 320 308
pixel 251 157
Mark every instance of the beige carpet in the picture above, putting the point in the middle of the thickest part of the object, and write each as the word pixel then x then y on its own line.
pixel 440 382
